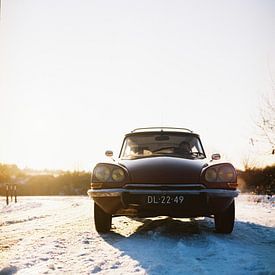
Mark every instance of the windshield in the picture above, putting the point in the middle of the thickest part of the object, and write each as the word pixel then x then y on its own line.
pixel 158 144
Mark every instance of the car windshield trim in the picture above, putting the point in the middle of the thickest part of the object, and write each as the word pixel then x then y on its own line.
pixel 182 145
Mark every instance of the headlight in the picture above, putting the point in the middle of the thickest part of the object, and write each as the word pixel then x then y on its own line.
pixel 211 175
pixel 118 175
pixel 102 173
pixel 221 173
pixel 226 173
pixel 108 173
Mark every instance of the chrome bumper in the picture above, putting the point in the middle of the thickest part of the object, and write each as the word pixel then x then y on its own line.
pixel 100 193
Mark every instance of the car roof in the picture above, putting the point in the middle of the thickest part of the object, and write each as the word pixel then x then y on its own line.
pixel 167 130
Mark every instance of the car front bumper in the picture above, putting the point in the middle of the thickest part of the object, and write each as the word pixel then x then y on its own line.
pixel 130 202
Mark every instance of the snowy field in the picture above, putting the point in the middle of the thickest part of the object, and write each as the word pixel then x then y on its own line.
pixel 56 235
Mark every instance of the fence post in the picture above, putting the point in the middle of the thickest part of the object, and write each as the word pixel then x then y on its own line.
pixel 15 193
pixel 11 191
pixel 7 194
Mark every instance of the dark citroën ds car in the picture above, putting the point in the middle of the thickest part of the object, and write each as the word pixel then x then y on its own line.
pixel 162 171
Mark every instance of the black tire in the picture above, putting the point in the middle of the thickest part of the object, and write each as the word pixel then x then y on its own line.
pixel 224 222
pixel 103 220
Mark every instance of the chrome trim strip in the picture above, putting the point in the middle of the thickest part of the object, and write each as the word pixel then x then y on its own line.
pixel 163 185
pixel 221 193
pixel 117 192
pixel 104 193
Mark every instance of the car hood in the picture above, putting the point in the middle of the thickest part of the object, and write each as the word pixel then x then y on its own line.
pixel 163 170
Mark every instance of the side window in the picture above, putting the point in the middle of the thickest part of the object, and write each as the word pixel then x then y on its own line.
pixel 194 149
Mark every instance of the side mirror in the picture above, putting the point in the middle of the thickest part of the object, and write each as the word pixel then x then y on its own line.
pixel 109 153
pixel 215 157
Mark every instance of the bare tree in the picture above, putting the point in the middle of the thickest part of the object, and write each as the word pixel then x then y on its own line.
pixel 266 121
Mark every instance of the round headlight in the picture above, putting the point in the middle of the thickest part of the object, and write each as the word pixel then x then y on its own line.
pixel 102 173
pixel 118 174
pixel 226 174
pixel 211 175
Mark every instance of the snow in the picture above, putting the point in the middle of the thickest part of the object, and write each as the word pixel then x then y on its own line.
pixel 56 235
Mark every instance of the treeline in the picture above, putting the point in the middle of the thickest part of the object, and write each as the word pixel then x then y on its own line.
pixel 257 180
pixel 65 183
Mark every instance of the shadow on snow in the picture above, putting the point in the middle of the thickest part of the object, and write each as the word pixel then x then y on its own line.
pixel 174 246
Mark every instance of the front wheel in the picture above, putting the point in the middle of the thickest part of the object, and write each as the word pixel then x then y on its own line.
pixel 103 220
pixel 224 222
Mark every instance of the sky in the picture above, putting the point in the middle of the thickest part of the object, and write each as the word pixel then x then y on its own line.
pixel 75 76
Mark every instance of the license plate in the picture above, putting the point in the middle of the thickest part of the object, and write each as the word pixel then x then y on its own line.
pixel 164 199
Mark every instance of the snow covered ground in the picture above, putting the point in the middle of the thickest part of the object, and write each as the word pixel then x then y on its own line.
pixel 56 235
